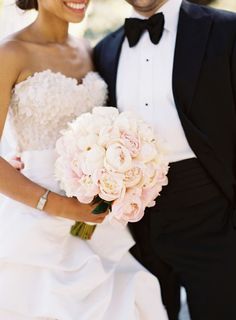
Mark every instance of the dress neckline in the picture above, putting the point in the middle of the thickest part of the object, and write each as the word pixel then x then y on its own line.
pixel 54 73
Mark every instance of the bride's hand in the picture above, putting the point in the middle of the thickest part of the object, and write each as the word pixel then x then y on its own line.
pixel 68 208
pixel 71 208
pixel 16 163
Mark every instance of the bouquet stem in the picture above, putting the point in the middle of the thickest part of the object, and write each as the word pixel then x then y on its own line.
pixel 83 230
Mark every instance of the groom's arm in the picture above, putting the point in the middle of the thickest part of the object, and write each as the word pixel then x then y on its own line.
pixel 100 62
pixel 233 72
pixel 97 56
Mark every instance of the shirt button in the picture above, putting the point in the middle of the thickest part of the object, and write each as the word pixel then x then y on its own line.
pixel 147 60
pixel 146 104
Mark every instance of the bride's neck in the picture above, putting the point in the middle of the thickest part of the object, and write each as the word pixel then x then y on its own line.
pixel 50 29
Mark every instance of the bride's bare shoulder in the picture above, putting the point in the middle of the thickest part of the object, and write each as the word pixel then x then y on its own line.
pixel 13 50
pixel 13 54
pixel 15 40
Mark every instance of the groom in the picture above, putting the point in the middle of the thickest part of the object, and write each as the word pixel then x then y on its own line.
pixel 177 70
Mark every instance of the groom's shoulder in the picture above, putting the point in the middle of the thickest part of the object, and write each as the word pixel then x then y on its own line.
pixel 222 15
pixel 223 22
pixel 218 15
pixel 108 39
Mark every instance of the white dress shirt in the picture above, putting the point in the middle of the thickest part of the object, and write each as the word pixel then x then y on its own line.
pixel 144 83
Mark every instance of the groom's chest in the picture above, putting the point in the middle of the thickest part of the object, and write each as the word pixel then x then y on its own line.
pixel 144 76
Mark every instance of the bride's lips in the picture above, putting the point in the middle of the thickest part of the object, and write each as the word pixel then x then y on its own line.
pixel 76 6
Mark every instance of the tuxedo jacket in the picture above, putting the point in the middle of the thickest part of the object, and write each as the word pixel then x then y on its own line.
pixel 204 86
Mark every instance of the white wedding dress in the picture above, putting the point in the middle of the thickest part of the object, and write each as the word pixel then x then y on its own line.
pixel 45 273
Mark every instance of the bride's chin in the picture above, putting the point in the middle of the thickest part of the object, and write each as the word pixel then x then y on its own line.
pixel 75 20
pixel 74 14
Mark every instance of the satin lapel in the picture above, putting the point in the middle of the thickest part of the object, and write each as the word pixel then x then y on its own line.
pixel 112 61
pixel 193 31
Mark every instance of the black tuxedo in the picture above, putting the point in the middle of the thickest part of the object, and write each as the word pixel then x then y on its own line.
pixel 204 87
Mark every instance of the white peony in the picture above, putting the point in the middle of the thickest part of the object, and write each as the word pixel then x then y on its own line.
pixel 111 186
pixel 108 135
pixel 118 158
pixel 147 153
pixel 86 143
pixel 67 144
pixel 126 122
pixel 92 160
pixel 110 113
pixel 146 132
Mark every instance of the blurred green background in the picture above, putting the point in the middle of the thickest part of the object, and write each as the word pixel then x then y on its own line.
pixel 103 16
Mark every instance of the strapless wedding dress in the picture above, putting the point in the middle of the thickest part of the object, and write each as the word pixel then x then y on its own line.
pixel 45 273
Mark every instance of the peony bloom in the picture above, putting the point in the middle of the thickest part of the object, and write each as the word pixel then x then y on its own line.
pixel 118 158
pixel 85 143
pixel 133 177
pixel 111 186
pixel 126 122
pixel 130 208
pixel 131 142
pixel 109 113
pixel 108 135
pixel 147 153
pixel 67 145
pixel 146 132
pixel 87 189
pixel 155 173
pixel 92 160
pixel 150 194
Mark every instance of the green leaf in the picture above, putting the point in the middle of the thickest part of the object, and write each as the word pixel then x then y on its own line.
pixel 101 208
pixel 97 199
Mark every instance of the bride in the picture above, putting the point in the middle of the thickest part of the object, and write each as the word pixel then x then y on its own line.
pixel 46 80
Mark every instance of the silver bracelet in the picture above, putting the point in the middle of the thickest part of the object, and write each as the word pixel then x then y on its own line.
pixel 42 201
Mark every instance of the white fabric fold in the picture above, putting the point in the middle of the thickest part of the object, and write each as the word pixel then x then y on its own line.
pixel 45 273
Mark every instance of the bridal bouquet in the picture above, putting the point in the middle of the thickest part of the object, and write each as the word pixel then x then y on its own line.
pixel 113 160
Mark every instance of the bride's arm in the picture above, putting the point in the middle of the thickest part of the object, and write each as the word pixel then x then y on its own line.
pixel 12 183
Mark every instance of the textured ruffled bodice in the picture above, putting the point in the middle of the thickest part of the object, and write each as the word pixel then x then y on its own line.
pixel 44 103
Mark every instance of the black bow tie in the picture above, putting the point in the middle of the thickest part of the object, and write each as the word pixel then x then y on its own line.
pixel 135 27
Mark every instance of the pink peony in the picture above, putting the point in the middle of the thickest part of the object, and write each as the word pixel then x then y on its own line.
pixel 87 189
pixel 131 142
pixel 133 177
pixel 130 208
pixel 155 174
pixel 111 186
pixel 150 194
